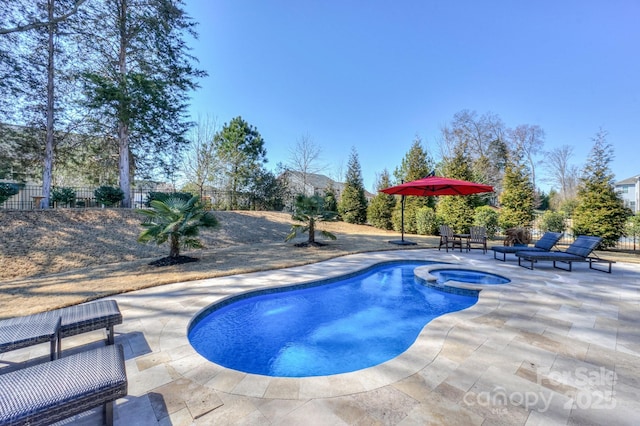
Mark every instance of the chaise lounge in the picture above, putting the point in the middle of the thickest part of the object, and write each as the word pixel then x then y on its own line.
pixel 544 244
pixel 579 251
pixel 52 326
pixel 55 390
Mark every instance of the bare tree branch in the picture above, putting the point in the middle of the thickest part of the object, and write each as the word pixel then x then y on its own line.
pixel 38 24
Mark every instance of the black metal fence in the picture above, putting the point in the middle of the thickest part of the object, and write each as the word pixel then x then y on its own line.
pixel 30 197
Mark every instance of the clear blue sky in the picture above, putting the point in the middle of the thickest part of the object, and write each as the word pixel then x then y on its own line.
pixel 374 74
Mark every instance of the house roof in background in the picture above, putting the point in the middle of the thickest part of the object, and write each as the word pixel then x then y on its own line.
pixel 629 181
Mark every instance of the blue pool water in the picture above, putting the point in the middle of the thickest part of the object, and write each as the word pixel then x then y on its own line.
pixel 468 276
pixel 337 327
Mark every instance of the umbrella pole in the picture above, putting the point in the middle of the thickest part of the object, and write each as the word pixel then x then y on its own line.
pixel 402 219
pixel 402 242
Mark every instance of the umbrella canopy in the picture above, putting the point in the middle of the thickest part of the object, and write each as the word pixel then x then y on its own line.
pixel 431 186
pixel 436 185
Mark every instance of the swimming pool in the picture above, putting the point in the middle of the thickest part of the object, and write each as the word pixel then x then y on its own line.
pixel 323 328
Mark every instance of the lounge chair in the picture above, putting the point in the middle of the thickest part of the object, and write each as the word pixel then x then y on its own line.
pixel 477 236
pixel 19 332
pixel 55 390
pixel 447 239
pixel 544 244
pixel 579 251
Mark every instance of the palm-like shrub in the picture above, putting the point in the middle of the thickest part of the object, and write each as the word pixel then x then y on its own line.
pixel 176 221
pixel 310 210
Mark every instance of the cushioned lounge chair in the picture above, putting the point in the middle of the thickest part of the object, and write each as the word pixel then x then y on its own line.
pixel 579 251
pixel 19 332
pixel 544 244
pixel 55 390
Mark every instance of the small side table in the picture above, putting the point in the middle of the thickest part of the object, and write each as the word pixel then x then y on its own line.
pixel 463 238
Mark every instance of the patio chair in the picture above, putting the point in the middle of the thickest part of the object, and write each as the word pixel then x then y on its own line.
pixel 447 239
pixel 52 326
pixel 579 251
pixel 544 244
pixel 55 390
pixel 477 236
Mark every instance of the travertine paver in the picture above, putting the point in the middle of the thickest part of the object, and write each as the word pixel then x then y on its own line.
pixel 552 347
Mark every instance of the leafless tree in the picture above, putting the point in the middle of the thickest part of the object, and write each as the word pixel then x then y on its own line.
pixel 201 163
pixel 483 138
pixel 304 157
pixel 527 141
pixel 561 172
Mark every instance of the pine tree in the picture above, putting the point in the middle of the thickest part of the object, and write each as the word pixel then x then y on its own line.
pixel 242 154
pixel 415 165
pixel 517 197
pixel 600 210
pixel 458 211
pixel 380 210
pixel 137 81
pixel 353 203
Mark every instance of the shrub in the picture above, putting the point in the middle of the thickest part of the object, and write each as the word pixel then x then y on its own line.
pixel 64 196
pixel 164 196
pixel 108 195
pixel 553 222
pixel 177 222
pixel 487 217
pixel 426 221
pixel 7 190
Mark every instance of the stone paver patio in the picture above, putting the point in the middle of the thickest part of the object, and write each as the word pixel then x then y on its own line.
pixel 550 348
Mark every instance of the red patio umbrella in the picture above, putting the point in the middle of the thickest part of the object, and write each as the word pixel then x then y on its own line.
pixel 432 186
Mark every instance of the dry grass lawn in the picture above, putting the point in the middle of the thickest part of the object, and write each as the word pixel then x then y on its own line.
pixel 55 258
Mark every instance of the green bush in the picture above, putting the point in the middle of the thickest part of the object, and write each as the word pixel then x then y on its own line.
pixel 108 195
pixel 426 221
pixel 164 196
pixel 64 196
pixel 553 222
pixel 7 190
pixel 487 217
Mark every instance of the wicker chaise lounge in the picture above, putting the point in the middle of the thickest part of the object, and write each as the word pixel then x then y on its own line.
pixel 579 251
pixel 544 244
pixel 55 390
pixel 19 332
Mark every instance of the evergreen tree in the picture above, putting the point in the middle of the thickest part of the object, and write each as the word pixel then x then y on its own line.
pixel 600 210
pixel 353 203
pixel 36 72
pixel 517 197
pixel 242 154
pixel 137 81
pixel 380 209
pixel 330 199
pixel 415 165
pixel 458 211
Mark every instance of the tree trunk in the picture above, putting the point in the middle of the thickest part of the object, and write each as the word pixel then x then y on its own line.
pixel 312 231
pixel 47 172
pixel 123 126
pixel 174 250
